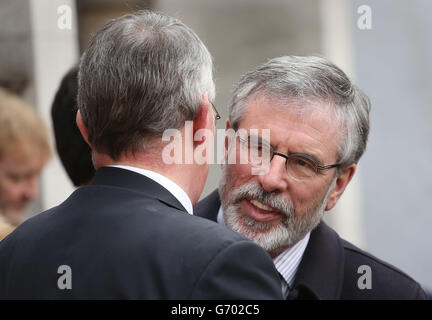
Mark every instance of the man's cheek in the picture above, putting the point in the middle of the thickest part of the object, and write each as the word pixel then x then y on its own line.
pixel 241 174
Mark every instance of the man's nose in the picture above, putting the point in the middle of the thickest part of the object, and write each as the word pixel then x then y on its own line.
pixel 275 178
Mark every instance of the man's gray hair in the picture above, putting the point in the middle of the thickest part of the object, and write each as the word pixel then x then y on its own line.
pixel 306 79
pixel 141 74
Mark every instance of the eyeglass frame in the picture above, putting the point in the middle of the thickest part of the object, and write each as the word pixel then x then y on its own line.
pixel 309 158
pixel 217 116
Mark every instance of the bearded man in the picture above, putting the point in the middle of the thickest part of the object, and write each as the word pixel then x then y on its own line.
pixel 319 125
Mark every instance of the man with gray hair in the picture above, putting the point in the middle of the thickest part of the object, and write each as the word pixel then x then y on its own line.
pixel 131 234
pixel 319 124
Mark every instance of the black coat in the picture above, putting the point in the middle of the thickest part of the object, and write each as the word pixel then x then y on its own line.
pixel 126 237
pixel 330 267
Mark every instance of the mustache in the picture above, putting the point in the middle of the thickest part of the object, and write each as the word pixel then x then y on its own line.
pixel 271 199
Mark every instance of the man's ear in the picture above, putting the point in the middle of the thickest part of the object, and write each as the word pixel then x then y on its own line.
pixel 204 119
pixel 82 128
pixel 341 183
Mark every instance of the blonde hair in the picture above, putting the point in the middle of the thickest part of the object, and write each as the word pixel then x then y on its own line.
pixel 21 128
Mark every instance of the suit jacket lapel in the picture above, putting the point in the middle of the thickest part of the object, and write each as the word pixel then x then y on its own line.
pixel 321 271
pixel 127 179
pixel 208 207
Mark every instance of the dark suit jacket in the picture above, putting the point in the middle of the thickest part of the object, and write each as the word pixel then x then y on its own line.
pixel 330 267
pixel 126 237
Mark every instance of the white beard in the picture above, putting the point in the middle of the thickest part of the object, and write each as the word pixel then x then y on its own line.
pixel 292 229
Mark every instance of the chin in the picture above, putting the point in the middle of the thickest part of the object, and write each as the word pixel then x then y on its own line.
pixel 270 240
pixel 269 235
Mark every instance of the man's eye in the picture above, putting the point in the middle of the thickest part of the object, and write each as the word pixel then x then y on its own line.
pixel 302 163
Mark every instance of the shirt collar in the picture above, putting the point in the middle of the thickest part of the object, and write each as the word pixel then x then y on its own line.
pixel 220 218
pixel 287 262
pixel 168 184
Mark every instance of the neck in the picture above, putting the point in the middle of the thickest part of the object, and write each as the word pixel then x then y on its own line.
pixel 186 176
pixel 13 217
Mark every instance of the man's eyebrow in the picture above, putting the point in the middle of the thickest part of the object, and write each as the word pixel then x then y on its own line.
pixel 307 155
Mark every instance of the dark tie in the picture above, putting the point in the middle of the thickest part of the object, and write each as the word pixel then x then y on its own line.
pixel 284 286
pixel 293 294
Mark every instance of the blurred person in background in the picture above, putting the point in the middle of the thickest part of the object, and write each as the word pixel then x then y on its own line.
pixel 5 228
pixel 74 152
pixel 24 150
pixel 319 126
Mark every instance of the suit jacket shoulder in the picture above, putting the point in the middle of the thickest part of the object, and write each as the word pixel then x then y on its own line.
pixel 126 237
pixel 332 268
pixel 375 278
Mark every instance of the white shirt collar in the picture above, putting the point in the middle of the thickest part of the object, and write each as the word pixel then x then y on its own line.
pixel 168 184
pixel 287 262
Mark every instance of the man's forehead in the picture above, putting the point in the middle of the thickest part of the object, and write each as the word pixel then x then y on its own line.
pixel 316 113
pixel 304 124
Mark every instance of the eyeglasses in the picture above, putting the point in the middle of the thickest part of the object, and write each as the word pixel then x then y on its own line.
pixel 217 116
pixel 299 166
